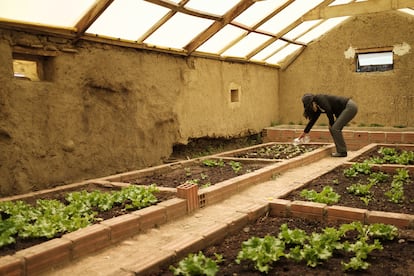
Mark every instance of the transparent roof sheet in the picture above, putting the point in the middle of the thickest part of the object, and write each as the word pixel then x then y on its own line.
pixel 137 17
pixel 217 7
pixel 171 33
pixel 65 13
pixel 264 31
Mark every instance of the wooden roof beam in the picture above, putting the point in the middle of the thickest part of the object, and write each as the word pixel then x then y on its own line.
pixel 218 25
pixel 89 18
pixel 358 8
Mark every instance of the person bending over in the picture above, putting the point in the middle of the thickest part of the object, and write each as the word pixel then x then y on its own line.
pixel 339 110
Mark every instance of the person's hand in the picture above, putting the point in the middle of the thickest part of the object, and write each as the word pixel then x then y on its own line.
pixel 302 135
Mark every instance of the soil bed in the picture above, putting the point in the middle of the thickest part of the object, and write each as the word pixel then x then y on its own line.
pixel 197 173
pixel 375 153
pixel 277 151
pixel 378 201
pixel 117 210
pixel 394 259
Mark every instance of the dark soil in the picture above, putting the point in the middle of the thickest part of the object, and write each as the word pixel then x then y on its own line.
pixel 379 202
pixel 394 259
pixel 197 173
pixel 374 153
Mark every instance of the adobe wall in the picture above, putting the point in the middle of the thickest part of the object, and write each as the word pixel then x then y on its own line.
pixel 110 109
pixel 328 66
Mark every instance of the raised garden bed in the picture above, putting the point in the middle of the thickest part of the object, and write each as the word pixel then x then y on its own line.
pixel 394 259
pixel 274 151
pixel 204 173
pixel 402 154
pixel 359 191
pixel 46 208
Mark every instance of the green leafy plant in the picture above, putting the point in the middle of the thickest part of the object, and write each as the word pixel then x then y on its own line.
pixel 396 193
pixel 48 218
pixel 357 168
pixel 327 195
pixel 197 264
pixel 262 252
pixel 236 166
pixel 213 163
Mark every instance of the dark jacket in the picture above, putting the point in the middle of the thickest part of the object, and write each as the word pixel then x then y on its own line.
pixel 329 104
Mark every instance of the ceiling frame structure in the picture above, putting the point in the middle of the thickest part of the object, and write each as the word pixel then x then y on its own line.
pixel 323 10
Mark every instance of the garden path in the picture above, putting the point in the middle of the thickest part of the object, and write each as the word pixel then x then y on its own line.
pixel 122 258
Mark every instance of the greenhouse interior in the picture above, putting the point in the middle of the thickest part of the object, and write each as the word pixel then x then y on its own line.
pixel 206 137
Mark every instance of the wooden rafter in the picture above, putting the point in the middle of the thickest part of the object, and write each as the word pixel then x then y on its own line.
pixel 87 20
pixel 358 8
pixel 218 25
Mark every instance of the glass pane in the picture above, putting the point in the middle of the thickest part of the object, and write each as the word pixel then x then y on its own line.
pixel 246 45
pixel 127 19
pixel 46 12
pixel 269 50
pixel 300 29
pixel 258 11
pixel 409 11
pixel 375 58
pixel 178 31
pixel 221 39
pixel 288 15
pixel 340 2
pixel 282 54
pixel 217 7
pixel 324 27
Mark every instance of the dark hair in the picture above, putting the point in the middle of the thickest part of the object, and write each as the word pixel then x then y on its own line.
pixel 307 100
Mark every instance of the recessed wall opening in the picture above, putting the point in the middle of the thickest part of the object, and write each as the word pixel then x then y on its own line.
pixel 374 61
pixel 32 67
pixel 234 95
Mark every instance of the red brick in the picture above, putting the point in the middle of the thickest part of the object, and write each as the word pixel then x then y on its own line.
pixel 377 137
pixel 255 210
pixel 11 266
pixel 346 214
pixel 89 239
pixel 189 192
pixel 408 137
pixel 393 137
pixel 215 233
pixel 307 209
pixel 151 216
pixel 184 245
pixel 151 264
pixel 122 226
pixel 175 208
pixel 40 257
pixel 280 207
pixel 236 221
pixel 397 219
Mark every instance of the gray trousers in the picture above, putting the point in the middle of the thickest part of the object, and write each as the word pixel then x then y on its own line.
pixel 346 116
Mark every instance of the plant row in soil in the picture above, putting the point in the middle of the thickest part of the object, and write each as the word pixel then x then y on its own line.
pixel 377 197
pixel 394 259
pixel 278 151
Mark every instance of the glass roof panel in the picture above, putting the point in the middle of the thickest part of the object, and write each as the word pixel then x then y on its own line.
pixel 221 39
pixel 246 45
pixel 45 12
pixel 409 11
pixel 321 29
pixel 340 2
pixel 217 7
pixel 178 31
pixel 127 19
pixel 288 15
pixel 300 29
pixel 282 54
pixel 269 50
pixel 258 11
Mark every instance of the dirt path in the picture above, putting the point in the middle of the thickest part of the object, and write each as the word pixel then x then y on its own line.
pixel 123 257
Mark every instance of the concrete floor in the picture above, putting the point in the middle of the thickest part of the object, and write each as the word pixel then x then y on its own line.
pixel 121 259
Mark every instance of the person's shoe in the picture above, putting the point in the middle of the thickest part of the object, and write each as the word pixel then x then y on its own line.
pixel 339 154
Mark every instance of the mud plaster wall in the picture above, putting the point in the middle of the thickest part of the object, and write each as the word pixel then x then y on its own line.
pixel 328 66
pixel 110 109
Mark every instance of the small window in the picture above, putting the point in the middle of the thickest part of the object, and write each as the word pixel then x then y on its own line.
pixel 375 62
pixel 234 95
pixel 32 67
